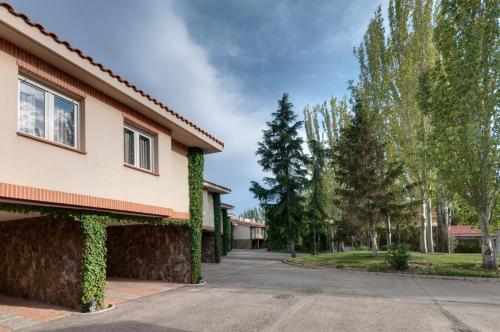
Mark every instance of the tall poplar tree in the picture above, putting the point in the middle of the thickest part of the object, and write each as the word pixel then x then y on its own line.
pixel 462 96
pixel 411 52
pixel 282 194
pixel 317 199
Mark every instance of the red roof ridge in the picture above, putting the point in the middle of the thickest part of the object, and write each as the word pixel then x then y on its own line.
pixel 104 69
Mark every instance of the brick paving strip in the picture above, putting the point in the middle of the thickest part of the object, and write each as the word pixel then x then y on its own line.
pixel 16 313
pixel 120 290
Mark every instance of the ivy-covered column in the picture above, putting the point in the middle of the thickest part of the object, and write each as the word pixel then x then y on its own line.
pixel 217 226
pixel 227 232
pixel 231 237
pixel 195 169
pixel 93 260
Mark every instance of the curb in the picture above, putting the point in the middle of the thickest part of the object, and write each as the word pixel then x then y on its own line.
pixel 110 307
pixel 424 276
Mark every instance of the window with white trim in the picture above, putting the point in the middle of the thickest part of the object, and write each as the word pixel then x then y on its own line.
pixel 47 114
pixel 138 148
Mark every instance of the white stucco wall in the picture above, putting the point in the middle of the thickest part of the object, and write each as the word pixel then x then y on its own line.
pixel 241 232
pixel 208 209
pixel 100 172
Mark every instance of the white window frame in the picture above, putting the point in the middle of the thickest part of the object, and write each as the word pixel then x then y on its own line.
pixel 49 111
pixel 137 160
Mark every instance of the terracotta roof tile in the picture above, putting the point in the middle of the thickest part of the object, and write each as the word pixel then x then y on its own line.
pixel 464 230
pixel 104 69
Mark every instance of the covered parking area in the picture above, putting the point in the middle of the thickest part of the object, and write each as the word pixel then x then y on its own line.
pixel 213 232
pixel 50 256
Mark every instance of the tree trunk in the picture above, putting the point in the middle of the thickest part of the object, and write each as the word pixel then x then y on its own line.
pixel 443 226
pixel 373 238
pixel 315 244
pixel 291 248
pixel 341 246
pixel 423 224
pixel 430 241
pixel 332 239
pixel 388 228
pixel 489 256
pixel 498 242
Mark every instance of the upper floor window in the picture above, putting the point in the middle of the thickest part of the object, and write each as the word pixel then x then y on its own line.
pixel 47 114
pixel 138 148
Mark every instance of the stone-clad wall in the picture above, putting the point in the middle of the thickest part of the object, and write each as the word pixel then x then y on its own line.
pixel 40 259
pixel 242 244
pixel 208 247
pixel 149 252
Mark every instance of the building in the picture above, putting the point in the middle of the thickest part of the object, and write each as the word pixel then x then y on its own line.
pixel 248 233
pixel 465 234
pixel 94 175
pixel 212 209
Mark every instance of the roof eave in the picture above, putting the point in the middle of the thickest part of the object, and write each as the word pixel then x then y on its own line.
pixel 15 30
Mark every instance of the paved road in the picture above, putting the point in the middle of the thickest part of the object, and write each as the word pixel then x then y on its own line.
pixel 254 291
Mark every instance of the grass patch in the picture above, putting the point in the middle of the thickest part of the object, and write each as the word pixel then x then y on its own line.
pixel 462 265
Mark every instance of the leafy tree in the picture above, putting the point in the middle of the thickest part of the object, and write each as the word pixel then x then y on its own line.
pixel 256 213
pixel 462 96
pixel 411 52
pixel 282 195
pixel 317 201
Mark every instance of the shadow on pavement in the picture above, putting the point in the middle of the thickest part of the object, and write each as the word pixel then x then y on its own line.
pixel 124 326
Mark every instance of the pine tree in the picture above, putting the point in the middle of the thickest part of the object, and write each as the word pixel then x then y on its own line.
pixel 282 195
pixel 367 180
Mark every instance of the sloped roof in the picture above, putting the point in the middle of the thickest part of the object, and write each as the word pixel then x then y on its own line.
pixel 458 230
pixel 41 28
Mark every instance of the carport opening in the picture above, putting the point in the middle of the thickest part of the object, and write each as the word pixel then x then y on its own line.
pixel 149 252
pixel 208 247
pixel 40 258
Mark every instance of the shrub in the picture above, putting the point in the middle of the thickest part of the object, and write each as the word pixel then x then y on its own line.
pixel 398 256
pixel 468 248
pixel 362 248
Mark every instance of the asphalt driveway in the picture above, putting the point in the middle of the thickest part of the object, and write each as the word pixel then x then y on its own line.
pixel 254 291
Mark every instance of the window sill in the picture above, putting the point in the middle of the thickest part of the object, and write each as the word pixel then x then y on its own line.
pixel 43 140
pixel 142 170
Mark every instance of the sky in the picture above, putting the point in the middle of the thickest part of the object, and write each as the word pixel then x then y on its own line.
pixel 222 64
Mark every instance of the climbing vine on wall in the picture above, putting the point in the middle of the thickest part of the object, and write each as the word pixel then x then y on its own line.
pixel 195 169
pixel 227 232
pixel 217 226
pixel 93 258
pixel 93 225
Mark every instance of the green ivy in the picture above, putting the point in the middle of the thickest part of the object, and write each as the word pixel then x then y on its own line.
pixel 227 232
pixel 94 257
pixel 94 235
pixel 195 169
pixel 217 226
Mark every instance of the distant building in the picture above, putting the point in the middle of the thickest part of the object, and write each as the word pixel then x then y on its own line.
pixel 465 234
pixel 248 233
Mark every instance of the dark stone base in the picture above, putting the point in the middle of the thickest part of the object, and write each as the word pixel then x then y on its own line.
pixel 242 244
pixel 208 247
pixel 40 259
pixel 149 252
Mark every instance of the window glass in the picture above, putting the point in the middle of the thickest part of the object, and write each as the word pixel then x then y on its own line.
pixel 64 121
pixel 145 152
pixel 138 148
pixel 129 146
pixel 31 110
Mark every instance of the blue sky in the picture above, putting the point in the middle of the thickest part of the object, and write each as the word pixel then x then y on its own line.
pixel 222 64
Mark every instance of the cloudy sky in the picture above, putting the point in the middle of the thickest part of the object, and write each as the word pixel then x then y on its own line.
pixel 223 64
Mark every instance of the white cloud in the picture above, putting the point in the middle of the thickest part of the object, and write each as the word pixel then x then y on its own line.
pixel 178 72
